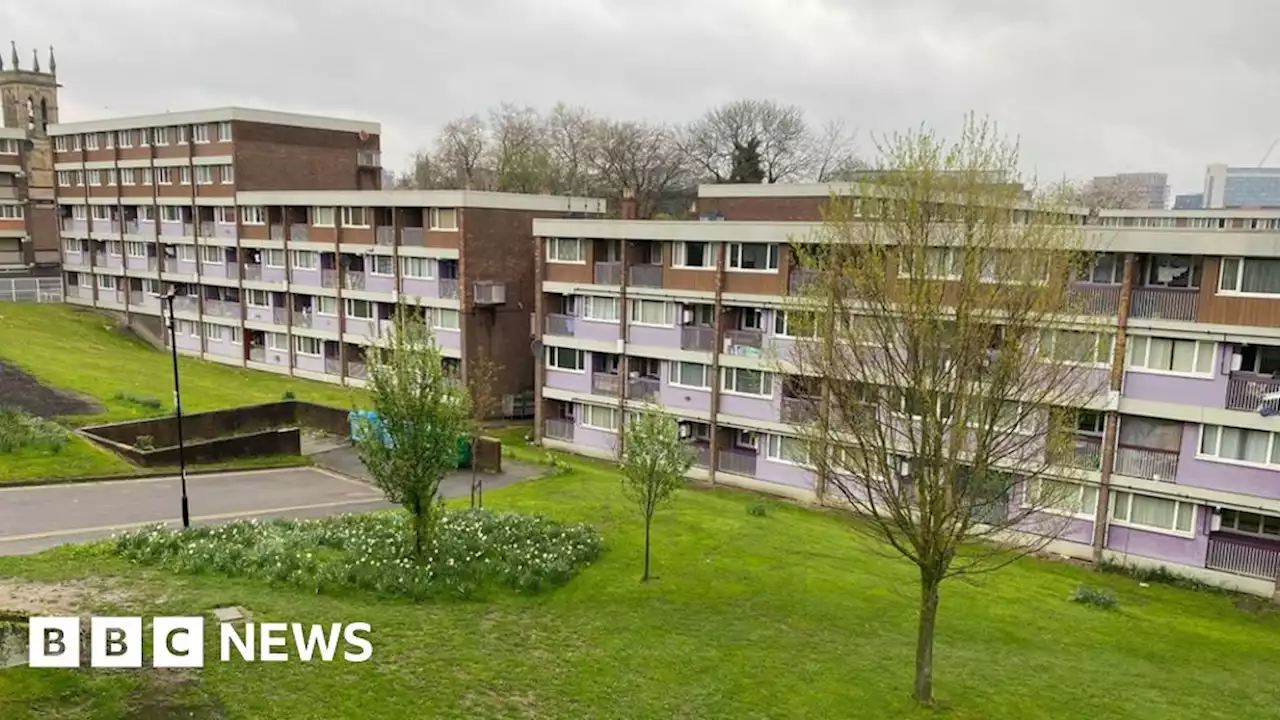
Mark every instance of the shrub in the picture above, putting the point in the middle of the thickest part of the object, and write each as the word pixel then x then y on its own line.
pixel 471 550
pixel 145 442
pixel 288 395
pixel 1096 597
pixel 149 403
pixel 757 510
pixel 19 430
pixel 1159 574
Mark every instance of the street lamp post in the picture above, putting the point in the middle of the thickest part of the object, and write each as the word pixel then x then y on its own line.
pixel 177 404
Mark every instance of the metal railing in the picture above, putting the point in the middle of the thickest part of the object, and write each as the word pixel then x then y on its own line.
pixel 448 287
pixel 1095 299
pixel 737 462
pixel 258 354
pixel 743 342
pixel 643 389
pixel 357 369
pixel 188 229
pixel 353 280
pixel 1149 463
pixel 252 271
pixel 798 278
pixel 206 228
pixel 697 337
pixel 605 383
pixel 646 276
pixel 277 232
pixel 1242 558
pixel 799 410
pixel 1165 303
pixel 558 429
pixel 280 316
pixel 298 232
pixel 1245 390
pixel 1087 453
pixel 413 237
pixel 329 278
pixel 186 304
pixel 702 456
pixel 303 318
pixel 332 366
pixel 47 289
pixel 131 227
pixel 384 236
pixel 559 324
pixel 608 273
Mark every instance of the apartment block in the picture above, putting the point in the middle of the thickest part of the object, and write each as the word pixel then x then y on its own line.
pixel 303 282
pixel 28 225
pixel 690 316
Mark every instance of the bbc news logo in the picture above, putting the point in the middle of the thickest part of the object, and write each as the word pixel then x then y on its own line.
pixel 178 642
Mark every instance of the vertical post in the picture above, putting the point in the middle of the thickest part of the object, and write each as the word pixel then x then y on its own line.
pixel 1100 519
pixel 716 381
pixel 177 408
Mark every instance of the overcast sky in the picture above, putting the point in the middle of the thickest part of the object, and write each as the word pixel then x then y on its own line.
pixel 1089 86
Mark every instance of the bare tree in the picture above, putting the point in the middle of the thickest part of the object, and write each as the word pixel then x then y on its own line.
pixel 832 157
pixel 942 373
pixel 461 148
pixel 425 173
pixel 520 159
pixel 642 157
pixel 571 135
pixel 653 463
pixel 780 131
pixel 482 383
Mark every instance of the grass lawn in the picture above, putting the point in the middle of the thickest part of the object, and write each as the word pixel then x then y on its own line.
pixel 789 615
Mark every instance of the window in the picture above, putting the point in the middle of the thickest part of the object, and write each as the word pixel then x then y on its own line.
pixel 307 345
pixel 1011 266
pixel 60 143
pixel 200 133
pixel 184 175
pixel 64 178
pixel 204 175
pixel 224 215
pixel 70 245
pixel 86 280
pixel 325 305
pixel 259 298
pixel 322 216
pixel 1168 355
pixel 226 174
pixel 692 375
pixel 748 382
pixel 1250 523
pixel 187 327
pixel 128 176
pixel 791 323
pixel 100 212
pixel 1072 346
pixel 253 215
pixel 750 319
pixel 604 309
pixel 421 268
pixel 110 176
pixel 1236 444
pixel 600 418
pixel 305 260
pixel 91 141
pixel 781 448
pixel 692 255
pixel 443 219
pixel 354 217
pixel 1153 512
pixel 94 177
pixel 1104 269
pixel 362 309
pixel 211 255
pixel 381 265
pixel 164 176
pixel 124 138
pixel 224 132
pixel 160 136
pixel 1246 276
pixel 273 258
pixel 170 213
pixel 107 282
pixel 653 312
pixel 213 332
pixel 180 131
pixel 151 287
pixel 235 335
pixel 561 358
pixel 1174 271
pixel 753 256
pixel 278 341
pixel 445 319
pixel 11 212
pixel 565 250
pixel 144 174
pixel 136 249
pixel 114 248
pixel 147 213
pixel 187 253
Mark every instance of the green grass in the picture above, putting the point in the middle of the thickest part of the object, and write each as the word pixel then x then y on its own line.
pixel 786 615
pixel 82 459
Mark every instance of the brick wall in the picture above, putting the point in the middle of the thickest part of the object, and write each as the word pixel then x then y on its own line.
pixel 275 157
pixel 764 208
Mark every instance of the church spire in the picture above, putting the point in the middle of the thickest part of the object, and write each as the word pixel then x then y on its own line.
pixel 35 60
pixel 53 64
pixel 13 55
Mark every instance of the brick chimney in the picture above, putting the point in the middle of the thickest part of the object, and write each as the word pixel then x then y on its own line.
pixel 627 209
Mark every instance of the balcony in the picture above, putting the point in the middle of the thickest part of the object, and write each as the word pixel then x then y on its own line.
pixel 413 237
pixel 1148 463
pixel 186 304
pixel 280 316
pixel 644 389
pixel 737 462
pixel 605 384
pixel 702 457
pixel 369 158
pixel 332 366
pixel 151 263
pixel 188 229
pixel 646 276
pixel 131 227
pixel 303 318
pixel 357 369
pixel 1245 390
pixel 222 308
pixel 1096 299
pixel 697 337
pixel 252 271
pixel 559 325
pixel 135 297
pixel 558 430
pixel 329 278
pixel 1087 453
pixel 448 287
pixel 170 265
pixel 277 232
pixel 490 292
pixel 1241 557
pixel 353 280
pixel 299 232
pixel 207 229
pixel 798 278
pixel 744 342
pixel 799 410
pixel 258 353
pixel 608 273
pixel 1165 303
pixel 384 236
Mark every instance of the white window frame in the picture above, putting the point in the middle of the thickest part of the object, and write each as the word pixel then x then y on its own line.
pixel 235 335
pixel 766 379
pixel 553 356
pixel 322 217
pixel 589 309
pixel 200 133
pixel 302 341
pixel 556 246
pixel 773 445
pixel 124 139
pixel 204 174
pixel 350 304
pixel 100 212
pixel 434 215
pixel 325 305
pixel 253 215
pixel 135 249
pixel 1082 493
pixel 224 131
pixel 93 177
pixel 587 416
pixel 164 175
pixel 128 176
pixel 429 265
pixel 106 282
pixel 212 255
pixel 304 259
pixel 224 215
pixel 186 253
pixel 114 248
pixel 184 175
pixel 1203 349
pixel 278 342
pixel 374 260
pixel 349 211
pixel 227 174
pixel 679 256
pixel 733 261
pixel 91 141
pixel 439 316
pixel 1271 461
pixel 170 210
pixel 1235 529
pixel 1055 334
pixel 160 136
pixel 251 296
pixel 12 212
pixel 675 378
pixel 782 325
pixel 1239 277
pixel 274 258
pixel 668 312
pixel 1124 499
pixel 212 332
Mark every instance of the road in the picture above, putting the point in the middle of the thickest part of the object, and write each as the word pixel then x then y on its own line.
pixel 37 518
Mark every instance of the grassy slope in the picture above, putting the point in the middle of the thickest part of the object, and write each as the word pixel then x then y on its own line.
pixel 789 615
pixel 73 349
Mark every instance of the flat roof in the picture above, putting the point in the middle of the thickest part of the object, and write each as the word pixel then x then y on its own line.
pixel 13 133
pixel 222 114
pixel 424 198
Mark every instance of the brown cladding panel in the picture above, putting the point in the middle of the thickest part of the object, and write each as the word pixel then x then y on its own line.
pixel 323 234
pixel 172 150
pixel 451 239
pixel 684 279
pixel 255 232
pixel 568 272
pixel 765 208
pixel 42 224
pixel 1229 310
pixel 134 153
pixel 359 236
pixel 216 190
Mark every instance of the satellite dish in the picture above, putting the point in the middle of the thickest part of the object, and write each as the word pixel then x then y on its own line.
pixel 535 347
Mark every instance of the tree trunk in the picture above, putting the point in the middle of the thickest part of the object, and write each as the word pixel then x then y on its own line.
pixel 924 639
pixel 417 526
pixel 647 522
pixel 473 473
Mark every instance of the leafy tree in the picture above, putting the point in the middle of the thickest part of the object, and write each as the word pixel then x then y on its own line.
pixel 654 461
pixel 421 411
pixel 943 412
pixel 482 381
pixel 746 162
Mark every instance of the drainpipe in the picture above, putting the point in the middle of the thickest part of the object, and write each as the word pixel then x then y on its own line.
pixel 718 338
pixel 535 332
pixel 624 366
pixel 1102 517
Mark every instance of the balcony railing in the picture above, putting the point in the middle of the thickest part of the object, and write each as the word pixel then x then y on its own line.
pixel 385 235
pixel 490 292
pixel 798 278
pixel 298 232
pixel 1242 558
pixel 646 276
pixel 1149 463
pixel 559 430
pixel 353 280
pixel 737 462
pixel 1165 303
pixel 743 342
pixel 643 389
pixel 1096 299
pixel 702 456
pixel 188 229
pixel 799 410
pixel 697 337
pixel 303 318
pixel 448 287
pixel 135 297
pixel 1087 453
pixel 151 263
pixel 186 304
pixel 332 366
pixel 559 325
pixel 280 316
pixel 73 291
pixel 357 369
pixel 369 158
pixel 608 273
pixel 252 271
pixel 206 229
pixel 131 227
pixel 329 278
pixel 605 384
pixel 171 265
pixel 277 232
pixel 413 237
pixel 258 354
pixel 1245 390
